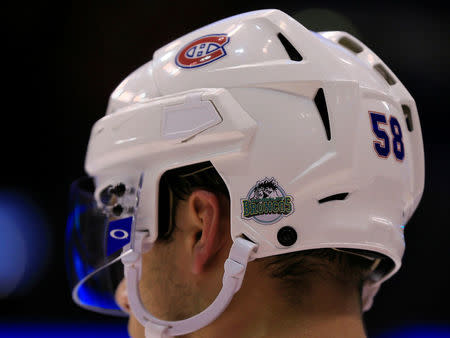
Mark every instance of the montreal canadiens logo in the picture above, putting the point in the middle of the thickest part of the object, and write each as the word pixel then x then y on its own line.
pixel 202 51
pixel 267 202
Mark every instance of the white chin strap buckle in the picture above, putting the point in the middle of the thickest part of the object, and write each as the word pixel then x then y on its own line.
pixel 153 330
pixel 235 266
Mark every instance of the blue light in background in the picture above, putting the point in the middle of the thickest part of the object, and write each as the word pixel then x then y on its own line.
pixel 119 330
pixel 66 330
pixel 24 244
pixel 418 331
pixel 13 255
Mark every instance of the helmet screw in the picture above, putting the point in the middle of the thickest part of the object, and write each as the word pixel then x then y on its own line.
pixel 287 236
pixel 117 210
pixel 119 189
pixel 105 194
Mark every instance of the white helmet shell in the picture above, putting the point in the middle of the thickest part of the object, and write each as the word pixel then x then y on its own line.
pixel 235 93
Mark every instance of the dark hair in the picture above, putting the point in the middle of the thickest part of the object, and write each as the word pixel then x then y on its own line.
pixel 295 269
pixel 350 267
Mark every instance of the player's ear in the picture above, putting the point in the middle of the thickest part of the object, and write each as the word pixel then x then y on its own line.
pixel 207 215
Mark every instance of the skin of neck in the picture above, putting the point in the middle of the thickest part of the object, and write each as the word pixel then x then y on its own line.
pixel 261 309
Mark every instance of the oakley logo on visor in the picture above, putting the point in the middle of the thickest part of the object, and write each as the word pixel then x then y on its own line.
pixel 118 234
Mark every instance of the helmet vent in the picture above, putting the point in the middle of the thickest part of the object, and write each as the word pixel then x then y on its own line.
pixel 384 73
pixel 321 105
pixel 350 45
pixel 408 117
pixel 338 197
pixel 294 55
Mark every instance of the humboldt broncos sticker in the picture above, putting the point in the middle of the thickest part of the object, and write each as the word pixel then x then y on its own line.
pixel 267 202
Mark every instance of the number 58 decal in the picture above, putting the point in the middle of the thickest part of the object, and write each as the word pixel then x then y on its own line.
pixel 382 145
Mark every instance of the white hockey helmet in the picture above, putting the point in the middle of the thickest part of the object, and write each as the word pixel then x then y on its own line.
pixel 317 141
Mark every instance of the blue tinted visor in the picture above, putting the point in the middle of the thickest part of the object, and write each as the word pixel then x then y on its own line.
pixel 99 232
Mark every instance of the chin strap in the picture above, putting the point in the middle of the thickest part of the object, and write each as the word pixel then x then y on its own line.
pixel 235 266
pixel 156 331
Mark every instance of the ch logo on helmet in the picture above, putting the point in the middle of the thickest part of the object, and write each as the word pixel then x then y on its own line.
pixel 267 202
pixel 202 51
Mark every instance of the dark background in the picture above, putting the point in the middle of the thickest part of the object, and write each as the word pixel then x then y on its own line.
pixel 62 61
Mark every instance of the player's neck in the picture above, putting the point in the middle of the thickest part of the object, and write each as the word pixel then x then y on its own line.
pixel 259 310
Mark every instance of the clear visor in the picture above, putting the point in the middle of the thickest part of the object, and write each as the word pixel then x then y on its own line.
pixel 100 229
